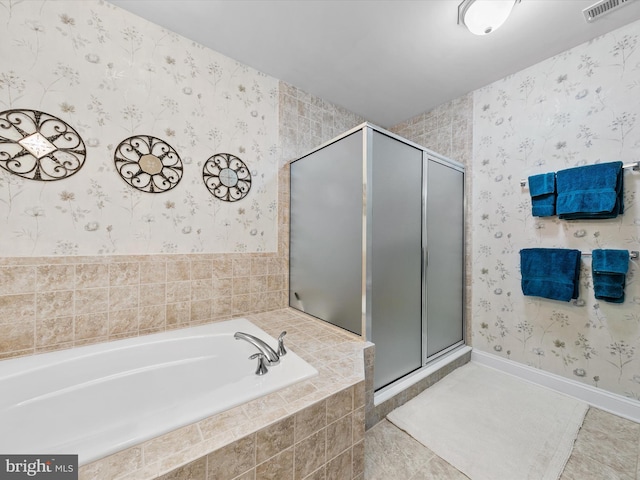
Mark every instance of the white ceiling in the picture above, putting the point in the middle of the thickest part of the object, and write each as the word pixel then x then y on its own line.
pixel 386 60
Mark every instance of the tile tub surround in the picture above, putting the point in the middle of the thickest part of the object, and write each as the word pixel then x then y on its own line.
pixel 52 303
pixel 314 429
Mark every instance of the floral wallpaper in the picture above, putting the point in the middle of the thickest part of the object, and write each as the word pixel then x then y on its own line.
pixel 578 108
pixel 111 75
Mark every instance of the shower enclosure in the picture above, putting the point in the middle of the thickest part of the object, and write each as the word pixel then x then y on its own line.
pixel 376 246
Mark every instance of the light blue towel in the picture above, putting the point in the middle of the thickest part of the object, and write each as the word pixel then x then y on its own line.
pixel 609 269
pixel 590 192
pixel 542 189
pixel 550 273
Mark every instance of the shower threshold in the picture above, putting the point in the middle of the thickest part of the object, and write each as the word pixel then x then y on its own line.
pixel 414 377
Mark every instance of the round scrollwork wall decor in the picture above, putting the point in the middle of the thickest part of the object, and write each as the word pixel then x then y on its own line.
pixel 227 177
pixel 148 164
pixel 39 146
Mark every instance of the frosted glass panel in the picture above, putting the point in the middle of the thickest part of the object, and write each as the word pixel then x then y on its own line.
pixel 396 270
pixel 326 233
pixel 445 223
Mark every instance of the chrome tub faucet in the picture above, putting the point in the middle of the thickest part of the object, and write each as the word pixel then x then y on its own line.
pixel 267 356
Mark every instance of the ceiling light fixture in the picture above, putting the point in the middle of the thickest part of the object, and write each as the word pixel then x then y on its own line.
pixel 484 16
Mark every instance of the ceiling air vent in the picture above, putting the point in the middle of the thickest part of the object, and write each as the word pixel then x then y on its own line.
pixel 601 8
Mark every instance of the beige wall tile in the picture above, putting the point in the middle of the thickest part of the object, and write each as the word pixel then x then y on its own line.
pixel 153 294
pixel 178 291
pixel 17 308
pixel 17 336
pixel 223 287
pixel 310 454
pixel 200 310
pixel 241 267
pixel 91 300
pixel 358 458
pixel 123 298
pixel 201 269
pixel 123 321
pixel 53 331
pixel 153 272
pixel 193 471
pixel 223 422
pixel 152 317
pixel 91 325
pixel 241 304
pixel 18 279
pixel 275 282
pixel 201 289
pixel 250 475
pixel 156 449
pixel 258 284
pixel 310 420
pixel 113 466
pixel 55 277
pixel 259 266
pixel 178 271
pixel 340 468
pixel 222 307
pixel 222 268
pixel 92 275
pixel 340 432
pixel 232 460
pixel 54 304
pixel 279 467
pixel 339 404
pixel 263 406
pixel 178 313
pixel 241 285
pixel 124 274
pixel 274 439
pixel 358 424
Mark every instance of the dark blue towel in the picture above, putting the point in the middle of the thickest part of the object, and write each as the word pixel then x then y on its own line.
pixel 550 273
pixel 542 189
pixel 609 268
pixel 590 192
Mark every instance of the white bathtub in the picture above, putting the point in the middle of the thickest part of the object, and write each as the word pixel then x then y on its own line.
pixel 96 400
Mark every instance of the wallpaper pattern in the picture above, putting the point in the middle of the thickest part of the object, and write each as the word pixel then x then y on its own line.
pixel 111 75
pixel 578 108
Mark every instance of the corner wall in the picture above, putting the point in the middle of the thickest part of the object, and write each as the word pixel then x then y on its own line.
pixel 577 108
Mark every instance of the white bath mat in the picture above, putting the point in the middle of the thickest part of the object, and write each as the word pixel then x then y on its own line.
pixel 493 426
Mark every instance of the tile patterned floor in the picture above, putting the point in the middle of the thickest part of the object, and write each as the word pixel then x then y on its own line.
pixel 607 448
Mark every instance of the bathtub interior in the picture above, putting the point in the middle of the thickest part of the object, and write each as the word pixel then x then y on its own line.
pixel 96 400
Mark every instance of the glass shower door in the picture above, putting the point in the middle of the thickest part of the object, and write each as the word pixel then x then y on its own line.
pixel 443 322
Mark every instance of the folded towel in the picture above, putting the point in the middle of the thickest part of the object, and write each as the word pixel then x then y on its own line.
pixel 610 261
pixel 542 189
pixel 590 192
pixel 609 268
pixel 609 287
pixel 550 273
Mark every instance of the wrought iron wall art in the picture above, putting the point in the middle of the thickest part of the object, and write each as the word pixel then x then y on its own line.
pixel 227 177
pixel 39 146
pixel 148 164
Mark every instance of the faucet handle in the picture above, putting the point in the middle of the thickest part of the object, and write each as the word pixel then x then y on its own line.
pixel 281 350
pixel 262 366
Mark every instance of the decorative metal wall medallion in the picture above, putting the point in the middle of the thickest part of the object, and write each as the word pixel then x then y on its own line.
pixel 148 164
pixel 227 177
pixel 39 146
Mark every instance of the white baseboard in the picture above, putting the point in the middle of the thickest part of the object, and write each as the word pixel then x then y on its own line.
pixel 610 402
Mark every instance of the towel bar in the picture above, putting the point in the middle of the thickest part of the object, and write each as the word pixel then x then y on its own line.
pixel 633 255
pixel 633 166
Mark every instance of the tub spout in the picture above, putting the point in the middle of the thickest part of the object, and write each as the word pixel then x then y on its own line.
pixel 271 357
